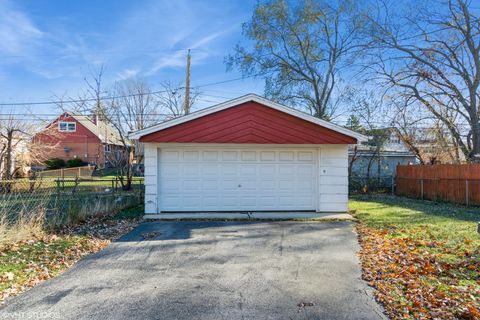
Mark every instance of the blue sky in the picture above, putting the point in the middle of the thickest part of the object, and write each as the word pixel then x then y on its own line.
pixel 48 47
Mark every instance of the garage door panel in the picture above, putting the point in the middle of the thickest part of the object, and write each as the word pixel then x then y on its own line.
pixel 170 170
pixel 209 170
pixel 170 186
pixel 170 155
pixel 286 170
pixel 248 169
pixel 210 155
pixel 267 202
pixel 285 185
pixel 191 185
pixel 210 185
pixel 229 155
pixel 286 201
pixel 191 170
pixel 171 202
pixel 249 155
pixel 267 185
pixel 229 202
pixel 237 180
pixel 306 156
pixel 192 202
pixel 304 185
pixel 248 201
pixel 229 184
pixel 267 171
pixel 305 171
pixel 228 170
pixel 210 202
pixel 286 155
pixel 191 155
pixel 267 155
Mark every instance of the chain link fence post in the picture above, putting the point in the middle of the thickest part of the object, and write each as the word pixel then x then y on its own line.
pixel 393 185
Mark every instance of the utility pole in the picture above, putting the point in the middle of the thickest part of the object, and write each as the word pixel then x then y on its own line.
pixel 186 103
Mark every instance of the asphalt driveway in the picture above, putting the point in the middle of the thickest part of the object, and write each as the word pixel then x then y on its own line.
pixel 211 270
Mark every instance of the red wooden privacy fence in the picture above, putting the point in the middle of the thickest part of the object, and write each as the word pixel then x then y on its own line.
pixel 459 183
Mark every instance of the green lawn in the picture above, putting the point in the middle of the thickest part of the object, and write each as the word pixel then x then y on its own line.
pixel 423 258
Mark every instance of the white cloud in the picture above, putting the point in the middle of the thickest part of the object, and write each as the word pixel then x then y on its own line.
pixel 24 44
pixel 177 59
pixel 168 29
pixel 127 74
pixel 17 32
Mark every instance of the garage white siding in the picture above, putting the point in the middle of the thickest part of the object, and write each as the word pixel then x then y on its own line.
pixel 151 177
pixel 333 193
pixel 221 177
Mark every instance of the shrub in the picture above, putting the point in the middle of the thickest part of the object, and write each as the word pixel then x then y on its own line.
pixel 54 163
pixel 72 163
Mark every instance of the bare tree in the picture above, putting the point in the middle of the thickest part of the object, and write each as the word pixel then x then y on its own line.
pixel 424 135
pixel 300 49
pixel 432 55
pixel 12 134
pixel 17 138
pixel 132 108
pixel 171 100
pixel 368 118
pixel 140 108
pixel 353 123
pixel 95 90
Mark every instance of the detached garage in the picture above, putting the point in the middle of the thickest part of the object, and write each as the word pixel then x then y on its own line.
pixel 247 154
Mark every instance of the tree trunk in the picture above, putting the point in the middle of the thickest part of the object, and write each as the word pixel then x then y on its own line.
pixel 8 156
pixel 475 152
pixel 350 163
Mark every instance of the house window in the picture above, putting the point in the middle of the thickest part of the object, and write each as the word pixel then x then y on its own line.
pixel 108 148
pixel 67 126
pixel 394 138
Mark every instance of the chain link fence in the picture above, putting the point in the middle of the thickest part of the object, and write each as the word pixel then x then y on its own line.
pixel 63 201
pixel 366 184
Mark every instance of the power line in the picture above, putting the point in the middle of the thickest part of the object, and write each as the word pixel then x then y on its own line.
pixel 66 101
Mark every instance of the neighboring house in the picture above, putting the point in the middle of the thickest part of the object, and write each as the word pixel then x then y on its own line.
pixel 73 136
pixel 383 164
pixel 246 154
pixel 436 146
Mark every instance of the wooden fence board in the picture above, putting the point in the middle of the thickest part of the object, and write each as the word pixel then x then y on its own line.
pixel 457 183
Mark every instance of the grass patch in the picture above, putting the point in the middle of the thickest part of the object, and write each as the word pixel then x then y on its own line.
pixel 24 264
pixel 43 255
pixel 135 212
pixel 422 257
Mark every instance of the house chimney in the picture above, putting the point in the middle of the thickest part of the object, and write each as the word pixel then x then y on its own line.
pixel 95 119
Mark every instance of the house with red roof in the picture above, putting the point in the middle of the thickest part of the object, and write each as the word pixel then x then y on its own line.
pixel 73 136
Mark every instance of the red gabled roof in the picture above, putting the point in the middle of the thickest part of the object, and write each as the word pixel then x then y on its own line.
pixel 249 122
pixel 105 132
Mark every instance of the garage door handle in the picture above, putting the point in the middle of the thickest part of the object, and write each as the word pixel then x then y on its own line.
pixel 239 185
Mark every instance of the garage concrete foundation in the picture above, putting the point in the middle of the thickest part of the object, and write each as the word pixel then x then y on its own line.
pixel 249 216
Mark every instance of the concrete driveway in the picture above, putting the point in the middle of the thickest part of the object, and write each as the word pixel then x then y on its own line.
pixel 211 270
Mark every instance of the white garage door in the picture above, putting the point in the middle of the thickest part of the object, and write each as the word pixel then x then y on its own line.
pixel 237 180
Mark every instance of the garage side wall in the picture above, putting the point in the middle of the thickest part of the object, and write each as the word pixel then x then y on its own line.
pixel 333 178
pixel 151 177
